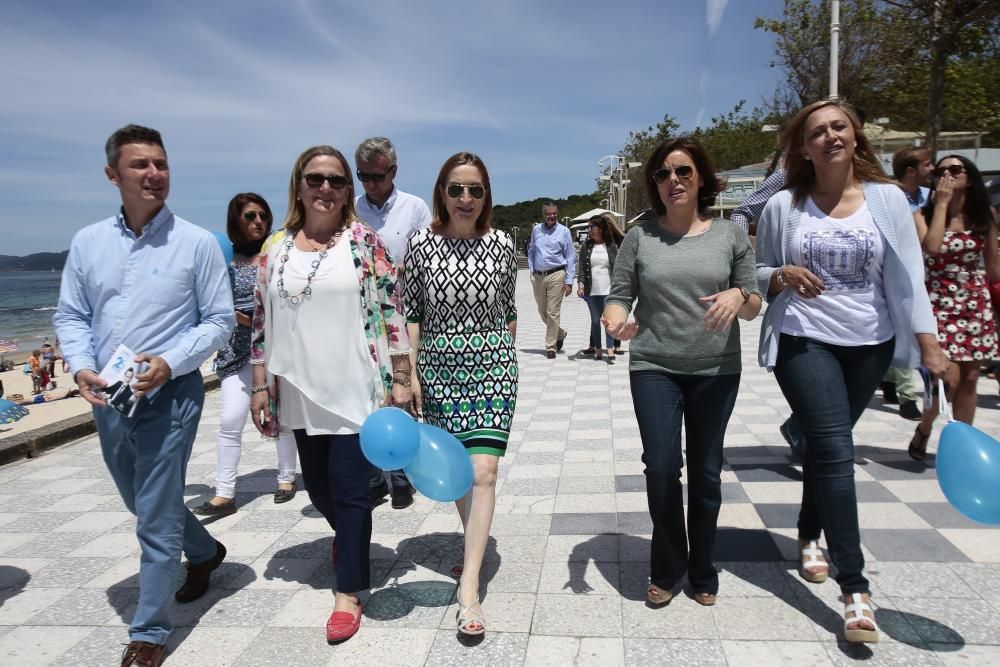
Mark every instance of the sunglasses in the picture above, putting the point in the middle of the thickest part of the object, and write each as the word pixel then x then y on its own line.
pixel 316 181
pixel 684 172
pixel 251 216
pixel 364 177
pixel 475 191
pixel 955 170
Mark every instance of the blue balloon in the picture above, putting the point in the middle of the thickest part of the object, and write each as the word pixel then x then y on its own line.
pixel 226 245
pixel 390 438
pixel 441 470
pixel 968 470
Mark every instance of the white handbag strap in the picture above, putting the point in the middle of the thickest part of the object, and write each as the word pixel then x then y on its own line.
pixel 943 402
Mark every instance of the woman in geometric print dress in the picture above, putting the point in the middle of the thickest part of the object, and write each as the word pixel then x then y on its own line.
pixel 461 318
pixel 958 231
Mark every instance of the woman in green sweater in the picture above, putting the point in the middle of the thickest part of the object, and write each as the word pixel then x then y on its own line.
pixel 692 276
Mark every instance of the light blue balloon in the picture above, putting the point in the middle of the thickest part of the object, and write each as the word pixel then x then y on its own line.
pixel 226 245
pixel 390 438
pixel 968 470
pixel 441 470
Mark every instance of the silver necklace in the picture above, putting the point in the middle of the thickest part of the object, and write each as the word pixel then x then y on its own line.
pixel 294 299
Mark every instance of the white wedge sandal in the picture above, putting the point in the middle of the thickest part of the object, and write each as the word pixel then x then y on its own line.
pixel 854 611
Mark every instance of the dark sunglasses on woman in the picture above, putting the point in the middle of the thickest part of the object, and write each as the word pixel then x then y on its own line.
pixel 251 216
pixel 336 182
pixel 475 191
pixel 684 172
pixel 955 170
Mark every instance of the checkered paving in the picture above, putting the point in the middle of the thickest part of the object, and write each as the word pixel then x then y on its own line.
pixel 567 561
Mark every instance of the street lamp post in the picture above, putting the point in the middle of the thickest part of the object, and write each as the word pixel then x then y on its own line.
pixel 615 173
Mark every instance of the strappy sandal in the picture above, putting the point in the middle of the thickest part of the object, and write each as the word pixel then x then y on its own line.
pixel 854 612
pixel 466 618
pixel 597 354
pixel 658 596
pixel 918 444
pixel 705 599
pixel 812 566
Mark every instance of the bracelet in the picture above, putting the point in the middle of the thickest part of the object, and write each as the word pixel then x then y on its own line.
pixel 258 388
pixel 781 278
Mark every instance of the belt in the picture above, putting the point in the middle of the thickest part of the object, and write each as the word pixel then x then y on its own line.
pixel 550 271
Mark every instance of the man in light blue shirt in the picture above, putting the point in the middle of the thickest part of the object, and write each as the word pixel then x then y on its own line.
pixel 158 284
pixel 394 214
pixel 552 263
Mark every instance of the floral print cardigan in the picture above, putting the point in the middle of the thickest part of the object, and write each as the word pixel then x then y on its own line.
pixel 381 292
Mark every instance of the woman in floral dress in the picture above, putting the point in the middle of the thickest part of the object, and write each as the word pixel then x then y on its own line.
pixel 958 230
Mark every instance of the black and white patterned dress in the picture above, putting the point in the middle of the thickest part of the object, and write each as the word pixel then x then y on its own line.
pixel 461 292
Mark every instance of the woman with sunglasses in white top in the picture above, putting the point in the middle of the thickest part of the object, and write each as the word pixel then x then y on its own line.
pixel 329 348
pixel 248 224
pixel 958 232
pixel 462 320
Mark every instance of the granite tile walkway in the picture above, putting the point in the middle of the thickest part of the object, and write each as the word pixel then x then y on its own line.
pixel 567 562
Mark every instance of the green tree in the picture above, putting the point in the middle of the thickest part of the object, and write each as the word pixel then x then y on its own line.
pixel 734 139
pixel 639 146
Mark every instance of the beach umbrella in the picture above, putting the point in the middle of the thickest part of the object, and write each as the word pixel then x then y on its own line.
pixel 11 412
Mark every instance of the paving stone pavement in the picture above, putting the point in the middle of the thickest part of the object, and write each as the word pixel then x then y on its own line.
pixel 566 565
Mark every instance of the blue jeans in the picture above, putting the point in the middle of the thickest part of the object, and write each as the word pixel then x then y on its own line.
pixel 596 305
pixel 335 474
pixel 704 404
pixel 147 456
pixel 828 387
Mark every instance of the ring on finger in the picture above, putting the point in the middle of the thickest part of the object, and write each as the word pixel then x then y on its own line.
pixel 802 289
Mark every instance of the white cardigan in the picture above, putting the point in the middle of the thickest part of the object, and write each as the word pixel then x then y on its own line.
pixel 902 271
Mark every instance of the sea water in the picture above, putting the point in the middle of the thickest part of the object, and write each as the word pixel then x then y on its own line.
pixel 28 300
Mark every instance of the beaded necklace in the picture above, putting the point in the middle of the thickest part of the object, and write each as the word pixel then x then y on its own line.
pixel 294 299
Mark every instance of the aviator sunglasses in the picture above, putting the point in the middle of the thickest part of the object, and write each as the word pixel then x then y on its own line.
pixel 684 172
pixel 475 191
pixel 336 182
pixel 251 216
pixel 955 170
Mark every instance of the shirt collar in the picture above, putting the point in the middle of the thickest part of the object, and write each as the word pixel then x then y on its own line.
pixel 388 202
pixel 921 197
pixel 151 227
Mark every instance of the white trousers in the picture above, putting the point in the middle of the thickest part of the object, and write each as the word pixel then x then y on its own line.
pixel 235 407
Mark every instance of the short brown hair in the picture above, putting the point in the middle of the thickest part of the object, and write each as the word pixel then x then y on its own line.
pixel 800 172
pixel 908 158
pixel 712 184
pixel 234 230
pixel 485 220
pixel 130 134
pixel 295 216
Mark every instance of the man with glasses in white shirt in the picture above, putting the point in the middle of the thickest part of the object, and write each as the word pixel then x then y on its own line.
pixel 396 216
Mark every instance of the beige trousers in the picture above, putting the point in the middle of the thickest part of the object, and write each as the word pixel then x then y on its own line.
pixel 549 296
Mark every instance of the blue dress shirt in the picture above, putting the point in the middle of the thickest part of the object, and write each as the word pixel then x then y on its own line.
pixel 164 293
pixel 550 248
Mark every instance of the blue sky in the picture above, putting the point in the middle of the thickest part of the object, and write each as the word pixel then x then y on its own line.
pixel 541 90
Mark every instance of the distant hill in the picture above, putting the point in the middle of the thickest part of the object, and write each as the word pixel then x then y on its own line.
pixel 40 261
pixel 524 214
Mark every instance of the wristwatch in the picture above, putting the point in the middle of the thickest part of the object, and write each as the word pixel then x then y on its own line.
pixel 746 294
pixel 781 278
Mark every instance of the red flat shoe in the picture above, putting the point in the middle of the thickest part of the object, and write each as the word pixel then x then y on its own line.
pixel 342 625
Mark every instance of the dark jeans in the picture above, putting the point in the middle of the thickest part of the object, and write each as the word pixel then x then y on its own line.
pixel 336 474
pixel 704 404
pixel 396 477
pixel 596 305
pixel 828 388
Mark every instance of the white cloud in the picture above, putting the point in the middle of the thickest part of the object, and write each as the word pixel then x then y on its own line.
pixel 714 9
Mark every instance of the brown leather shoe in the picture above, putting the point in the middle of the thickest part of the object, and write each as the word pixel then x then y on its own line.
pixel 143 654
pixel 196 582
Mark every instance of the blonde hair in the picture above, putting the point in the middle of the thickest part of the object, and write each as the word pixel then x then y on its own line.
pixel 295 216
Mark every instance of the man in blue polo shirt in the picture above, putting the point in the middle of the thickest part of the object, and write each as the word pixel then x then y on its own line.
pixel 552 263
